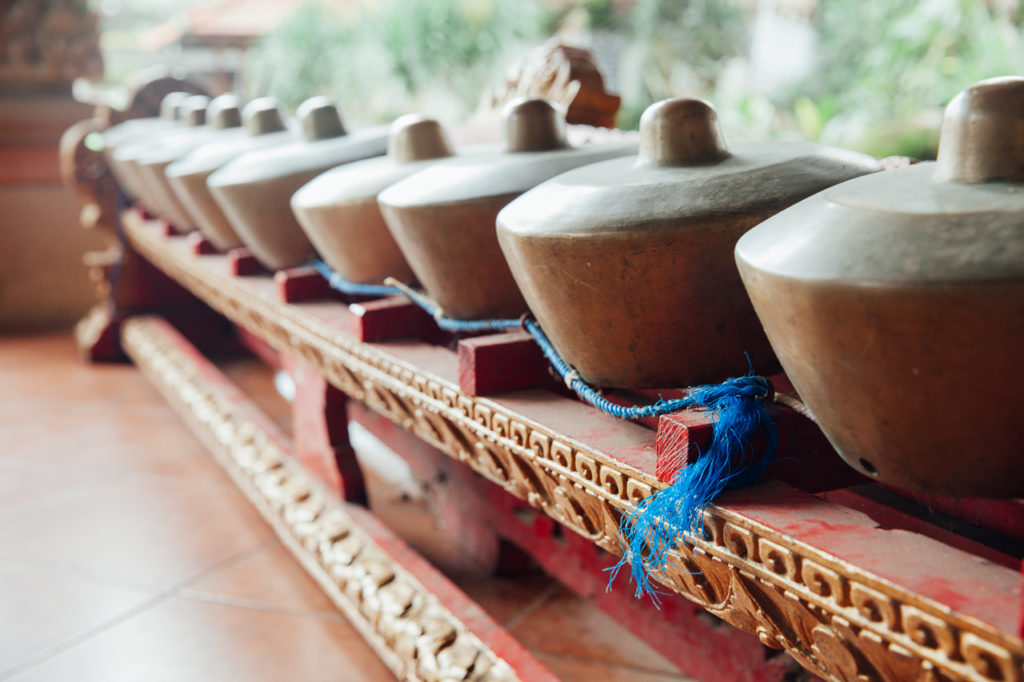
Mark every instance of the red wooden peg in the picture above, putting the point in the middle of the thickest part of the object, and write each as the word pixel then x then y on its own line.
pixel 804 458
pixel 165 227
pixel 200 245
pixel 498 363
pixel 241 262
pixel 301 284
pixel 394 317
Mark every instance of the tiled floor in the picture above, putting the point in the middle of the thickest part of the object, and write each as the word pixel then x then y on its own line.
pixel 127 554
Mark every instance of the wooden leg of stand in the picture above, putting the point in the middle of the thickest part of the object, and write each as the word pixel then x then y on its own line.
pixel 97 335
pixel 320 425
pixel 131 285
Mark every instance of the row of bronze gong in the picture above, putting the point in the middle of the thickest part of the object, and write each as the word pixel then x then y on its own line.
pixel 894 300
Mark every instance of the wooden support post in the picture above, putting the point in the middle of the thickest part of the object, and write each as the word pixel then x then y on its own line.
pixel 320 432
pixel 136 287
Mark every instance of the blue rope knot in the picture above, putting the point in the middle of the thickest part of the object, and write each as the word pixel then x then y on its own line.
pixel 654 526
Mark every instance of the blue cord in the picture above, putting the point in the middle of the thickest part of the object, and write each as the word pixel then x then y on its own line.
pixel 339 283
pixel 699 396
pixel 753 386
pixel 449 323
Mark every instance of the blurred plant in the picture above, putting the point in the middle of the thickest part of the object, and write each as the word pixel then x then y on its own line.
pixel 397 54
pixel 881 90
pixel 878 90
pixel 298 59
pixel 678 47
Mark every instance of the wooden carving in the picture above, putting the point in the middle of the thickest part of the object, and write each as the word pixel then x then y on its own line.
pixel 85 172
pixel 563 74
pixel 48 41
pixel 839 621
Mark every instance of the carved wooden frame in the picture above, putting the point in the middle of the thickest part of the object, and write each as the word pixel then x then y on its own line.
pixel 839 621
pixel 412 632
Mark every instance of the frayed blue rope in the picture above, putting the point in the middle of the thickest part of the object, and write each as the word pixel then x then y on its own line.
pixel 339 283
pixel 655 525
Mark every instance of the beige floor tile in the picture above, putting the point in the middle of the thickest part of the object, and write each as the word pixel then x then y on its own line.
pixel 568 668
pixel 268 577
pixel 180 639
pixel 47 368
pixel 595 636
pixel 41 609
pixel 26 486
pixel 139 530
pixel 95 436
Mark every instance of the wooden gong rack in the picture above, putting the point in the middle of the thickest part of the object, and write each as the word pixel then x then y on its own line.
pixel 852 580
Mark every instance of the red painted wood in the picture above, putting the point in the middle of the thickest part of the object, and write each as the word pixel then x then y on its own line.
pixel 200 245
pixel 320 432
pixel 243 263
pixel 143 212
pixel 887 517
pixel 681 436
pixel 103 344
pixel 498 363
pixel 955 578
pixel 384 319
pixel 260 348
pixel 1004 516
pixel 137 287
pixel 476 512
pixel 301 284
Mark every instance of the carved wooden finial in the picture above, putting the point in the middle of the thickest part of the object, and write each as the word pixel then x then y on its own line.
pixel 562 74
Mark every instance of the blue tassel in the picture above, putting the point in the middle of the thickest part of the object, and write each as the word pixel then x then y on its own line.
pixel 655 525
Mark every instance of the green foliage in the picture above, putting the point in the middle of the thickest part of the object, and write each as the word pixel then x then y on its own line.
pixel 884 67
pixel 871 87
pixel 677 47
pixel 456 42
pixel 298 59
pixel 396 53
